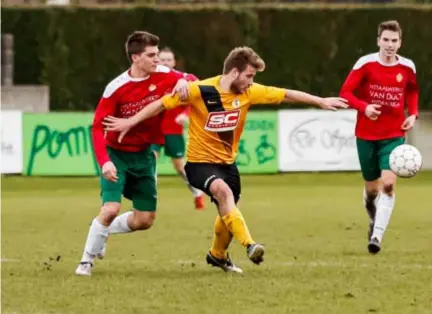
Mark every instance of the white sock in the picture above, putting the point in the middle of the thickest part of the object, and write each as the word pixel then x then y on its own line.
pixel 120 224
pixel 365 198
pixel 194 191
pixel 96 238
pixel 383 214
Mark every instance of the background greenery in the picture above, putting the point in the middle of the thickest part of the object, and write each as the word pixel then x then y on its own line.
pixel 77 51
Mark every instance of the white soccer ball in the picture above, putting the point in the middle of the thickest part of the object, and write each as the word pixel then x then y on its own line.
pixel 405 161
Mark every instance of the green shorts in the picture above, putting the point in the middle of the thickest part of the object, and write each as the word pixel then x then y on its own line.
pixel 174 146
pixel 374 156
pixel 136 179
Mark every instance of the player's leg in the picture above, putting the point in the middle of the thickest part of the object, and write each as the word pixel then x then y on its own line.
pixel 387 199
pixel 140 187
pixel 235 221
pixel 200 176
pixel 371 195
pixel 111 193
pixel 222 236
pixel 178 164
pixel 210 178
pixel 221 239
pixel 369 164
pixel 218 255
pixel 175 148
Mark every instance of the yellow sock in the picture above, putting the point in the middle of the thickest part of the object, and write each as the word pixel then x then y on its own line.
pixel 236 224
pixel 221 239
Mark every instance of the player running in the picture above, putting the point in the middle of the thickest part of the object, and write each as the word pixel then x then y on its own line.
pixel 218 114
pixel 172 127
pixel 128 168
pixel 378 87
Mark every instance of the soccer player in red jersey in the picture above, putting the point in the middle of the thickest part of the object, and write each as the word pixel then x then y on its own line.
pixel 172 128
pixel 378 87
pixel 129 168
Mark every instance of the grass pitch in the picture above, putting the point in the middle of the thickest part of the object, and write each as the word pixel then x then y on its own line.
pixel 313 226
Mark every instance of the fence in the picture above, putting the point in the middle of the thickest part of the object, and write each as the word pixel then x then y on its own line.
pixel 59 144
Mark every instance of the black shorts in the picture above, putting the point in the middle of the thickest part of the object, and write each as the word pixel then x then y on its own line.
pixel 201 175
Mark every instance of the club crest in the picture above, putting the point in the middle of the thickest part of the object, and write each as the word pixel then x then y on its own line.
pixel 236 103
pixel 399 78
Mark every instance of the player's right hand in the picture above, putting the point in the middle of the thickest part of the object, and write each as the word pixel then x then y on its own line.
pixel 182 89
pixel 333 103
pixel 109 171
pixel 372 111
pixel 118 125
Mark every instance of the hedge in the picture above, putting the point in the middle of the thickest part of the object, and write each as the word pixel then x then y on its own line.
pixel 77 51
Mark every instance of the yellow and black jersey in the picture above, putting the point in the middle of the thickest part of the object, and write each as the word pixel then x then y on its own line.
pixel 217 118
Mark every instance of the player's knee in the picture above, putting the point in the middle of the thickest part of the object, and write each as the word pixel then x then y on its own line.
pixel 109 212
pixel 372 194
pixel 388 183
pixel 144 220
pixel 178 165
pixel 372 189
pixel 179 169
pixel 220 190
pixel 388 187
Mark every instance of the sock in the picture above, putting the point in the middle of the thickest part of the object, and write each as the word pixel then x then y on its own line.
pixel 120 224
pixel 236 224
pixel 194 191
pixel 96 238
pixel 383 214
pixel 375 201
pixel 221 239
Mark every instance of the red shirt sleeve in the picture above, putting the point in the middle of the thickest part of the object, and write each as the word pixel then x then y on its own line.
pixel 106 106
pixel 351 84
pixel 175 75
pixel 412 95
pixel 190 77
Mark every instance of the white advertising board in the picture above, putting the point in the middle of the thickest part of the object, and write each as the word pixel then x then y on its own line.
pixel 11 155
pixel 317 140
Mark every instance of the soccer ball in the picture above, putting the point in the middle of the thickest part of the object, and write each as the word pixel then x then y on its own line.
pixel 405 161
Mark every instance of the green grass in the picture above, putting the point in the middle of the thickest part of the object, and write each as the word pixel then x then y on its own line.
pixel 313 225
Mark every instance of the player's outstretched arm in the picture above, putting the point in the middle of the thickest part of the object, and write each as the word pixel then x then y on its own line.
pixel 328 103
pixel 261 94
pixel 124 125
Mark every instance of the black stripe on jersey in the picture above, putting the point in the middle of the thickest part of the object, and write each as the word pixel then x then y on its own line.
pixel 213 103
pixel 211 97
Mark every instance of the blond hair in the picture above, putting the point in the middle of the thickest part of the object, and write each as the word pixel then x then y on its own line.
pixel 240 58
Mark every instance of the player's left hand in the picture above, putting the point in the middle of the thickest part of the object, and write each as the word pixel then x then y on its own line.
pixel 408 123
pixel 182 119
pixel 181 89
pixel 333 103
pixel 117 125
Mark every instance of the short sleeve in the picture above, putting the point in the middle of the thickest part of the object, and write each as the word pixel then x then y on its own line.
pixel 261 94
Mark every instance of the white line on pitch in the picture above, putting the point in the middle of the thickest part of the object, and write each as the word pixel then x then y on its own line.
pixel 9 260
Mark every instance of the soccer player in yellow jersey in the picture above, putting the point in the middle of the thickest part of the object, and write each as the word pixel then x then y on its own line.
pixel 219 106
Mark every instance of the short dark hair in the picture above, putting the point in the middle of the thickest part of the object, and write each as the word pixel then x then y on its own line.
pixel 138 41
pixel 389 26
pixel 240 58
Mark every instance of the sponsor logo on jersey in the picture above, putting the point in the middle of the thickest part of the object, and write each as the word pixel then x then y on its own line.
pixel 152 87
pixel 222 121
